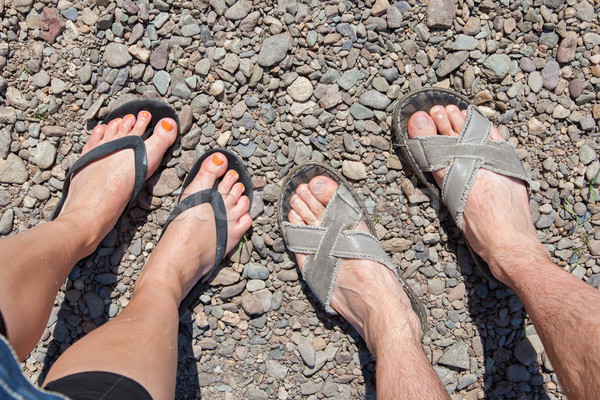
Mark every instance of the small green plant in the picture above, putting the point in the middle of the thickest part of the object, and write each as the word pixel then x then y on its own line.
pixel 592 191
pixel 569 208
pixel 39 115
pixel 241 245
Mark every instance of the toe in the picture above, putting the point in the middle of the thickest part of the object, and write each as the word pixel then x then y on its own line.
pixel 95 138
pixel 421 124
pixel 141 123
pixel 456 117
pixel 311 201
pixel 440 117
pixel 228 181
pixel 126 125
pixel 233 196
pixel 323 188
pixel 163 137
pixel 112 128
pixel 241 208
pixel 495 134
pixel 302 209
pixel 210 170
pixel 243 224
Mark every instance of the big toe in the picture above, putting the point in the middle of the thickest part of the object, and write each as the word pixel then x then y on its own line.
pixel 421 124
pixel 211 169
pixel 164 135
pixel 323 188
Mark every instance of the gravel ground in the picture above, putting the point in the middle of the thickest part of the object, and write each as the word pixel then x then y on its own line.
pixel 290 81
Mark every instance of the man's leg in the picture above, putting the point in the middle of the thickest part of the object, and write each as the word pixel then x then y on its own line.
pixel 497 223
pixel 36 263
pixel 141 342
pixel 372 299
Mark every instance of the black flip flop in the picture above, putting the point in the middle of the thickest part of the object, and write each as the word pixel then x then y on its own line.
pixel 158 110
pixel 213 197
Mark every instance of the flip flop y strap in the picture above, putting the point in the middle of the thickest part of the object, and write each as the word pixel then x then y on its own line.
pixel 326 245
pixel 129 142
pixel 220 214
pixel 464 155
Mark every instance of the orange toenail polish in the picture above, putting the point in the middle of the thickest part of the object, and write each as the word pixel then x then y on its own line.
pixel 242 186
pixel 129 116
pixel 233 173
pixel 166 126
pixel 216 160
pixel 145 114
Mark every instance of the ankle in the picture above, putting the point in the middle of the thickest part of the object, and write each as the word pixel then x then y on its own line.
pixel 84 235
pixel 157 280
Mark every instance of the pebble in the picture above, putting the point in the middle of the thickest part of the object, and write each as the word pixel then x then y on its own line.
pixel 567 48
pixel 456 356
pixel 451 62
pixel 12 170
pixel 116 55
pixel 6 222
pixel 374 99
pixel 94 303
pixel 41 79
pixel 301 89
pixel 498 66
pixel 354 170
pixel 258 302
pixel 440 14
pixel 161 81
pixel 239 10
pixel 550 74
pixel 273 50
pixel 44 154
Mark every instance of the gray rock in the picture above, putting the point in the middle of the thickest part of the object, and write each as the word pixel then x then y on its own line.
pixel 94 303
pixel 566 50
pixel 12 170
pixel 8 115
pixel 546 220
pixel 440 14
pixel 354 170
pixel 528 349
pixel 517 373
pixel 268 113
pixel 160 56
pixel 257 303
pixel 464 42
pixel 116 55
pixel 190 30
pixel 22 6
pixel 301 89
pixel 451 62
pixel 41 79
pixel 6 222
pixel 85 73
pixel 256 271
pixel 374 99
pixel 164 183
pixel 276 370
pixel 161 81
pixel 587 155
pixel 586 12
pixel 456 356
pixel 576 87
pixel 550 74
pixel 394 18
pixel 5 142
pixel 307 352
pixel 497 66
pixel 591 39
pixel 535 82
pixel 359 111
pixel 239 10
pixel 270 192
pixel 181 90
pixel 15 98
pixel 273 50
pixel 44 154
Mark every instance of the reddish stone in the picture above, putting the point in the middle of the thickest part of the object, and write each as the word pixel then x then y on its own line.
pixel 51 25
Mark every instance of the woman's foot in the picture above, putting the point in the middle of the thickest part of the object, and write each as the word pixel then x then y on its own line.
pixel 496 215
pixel 366 293
pixel 186 252
pixel 100 191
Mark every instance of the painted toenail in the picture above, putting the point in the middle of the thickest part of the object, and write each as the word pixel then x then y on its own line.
pixel 215 159
pixel 167 127
pixel 145 114
pixel 233 173
pixel 129 116
pixel 420 122
pixel 241 186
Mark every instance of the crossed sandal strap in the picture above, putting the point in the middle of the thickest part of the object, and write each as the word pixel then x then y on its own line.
pixel 335 239
pixel 464 155
pixel 128 142
pixel 220 214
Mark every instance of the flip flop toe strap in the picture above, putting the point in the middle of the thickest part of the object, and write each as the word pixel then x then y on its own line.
pixel 220 215
pixel 326 245
pixel 129 142
pixel 464 155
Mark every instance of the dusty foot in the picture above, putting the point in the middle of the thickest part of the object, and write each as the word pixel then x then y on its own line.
pixel 99 192
pixel 187 250
pixel 496 219
pixel 366 293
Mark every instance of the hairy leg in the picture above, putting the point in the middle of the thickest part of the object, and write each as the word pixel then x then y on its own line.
pixel 497 223
pixel 39 260
pixel 141 342
pixel 370 297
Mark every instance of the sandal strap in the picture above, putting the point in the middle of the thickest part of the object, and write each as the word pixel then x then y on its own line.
pixel 464 156
pixel 326 245
pixel 128 142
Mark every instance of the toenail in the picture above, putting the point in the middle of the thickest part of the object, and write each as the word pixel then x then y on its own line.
pixel 302 189
pixel 319 186
pixel 167 126
pixel 233 173
pixel 129 116
pixel 420 121
pixel 295 200
pixel 145 114
pixel 294 214
pixel 241 185
pixel 215 159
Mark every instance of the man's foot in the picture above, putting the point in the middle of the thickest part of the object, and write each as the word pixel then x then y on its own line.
pixel 366 293
pixel 187 250
pixel 100 191
pixel 496 217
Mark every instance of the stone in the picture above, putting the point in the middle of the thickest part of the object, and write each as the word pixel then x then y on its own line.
pixel 217 88
pixel 440 14
pixel 85 73
pixel 161 81
pixel 550 74
pixel 576 87
pixel 586 12
pixel 586 154
pixel 360 112
pixel 273 50
pixel 12 170
pixel 58 85
pixel 394 18
pixel 51 25
pixel 6 222
pixel 117 55
pixel 5 141
pixel 22 6
pixel 164 183
pixel 451 62
pixel 517 373
pixel 186 118
pixel 301 89
pixel 16 99
pixel 94 303
pixel 307 352
pixel 276 370
pixel 594 247
pixel 497 66
pixel 380 7
pixel 456 356
pixel 8 115
pixel 354 170
pixel 374 99
pixel 472 26
pixel 160 56
pixel 528 349
pixel 139 52
pixel 225 277
pixel 256 271
pixel 257 303
pixel 566 50
pixel 239 10
pixel 44 154
pixel 535 82
pixel 41 79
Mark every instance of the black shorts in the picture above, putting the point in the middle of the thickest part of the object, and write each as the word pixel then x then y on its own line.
pixel 94 385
